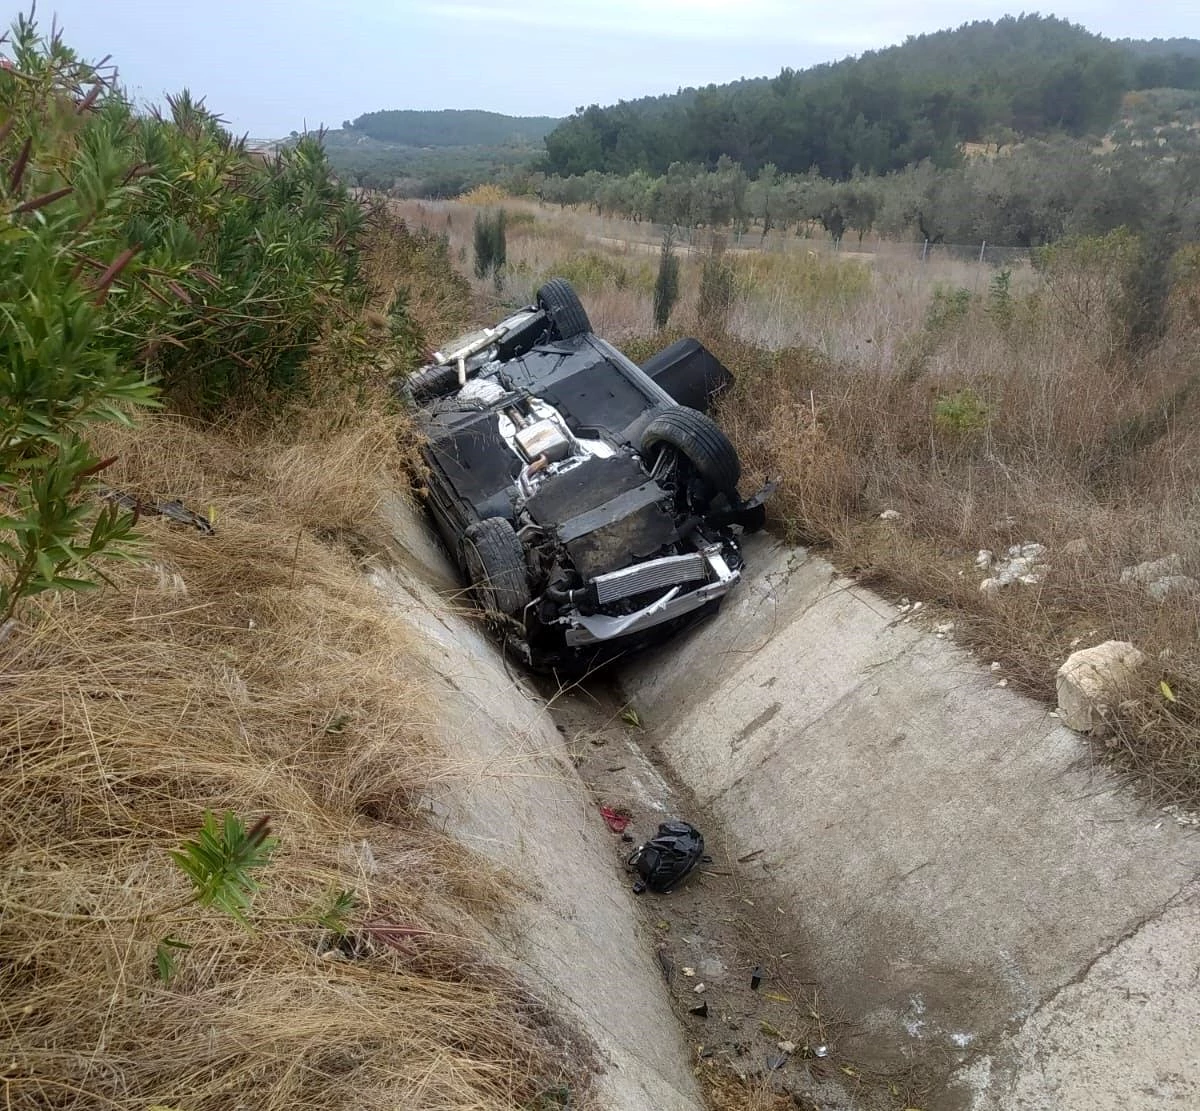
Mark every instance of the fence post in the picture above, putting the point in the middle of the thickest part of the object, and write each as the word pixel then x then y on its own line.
pixel 982 248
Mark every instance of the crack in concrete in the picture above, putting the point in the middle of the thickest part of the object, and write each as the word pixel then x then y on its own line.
pixel 1190 887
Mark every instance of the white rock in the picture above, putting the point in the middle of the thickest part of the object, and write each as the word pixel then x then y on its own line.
pixel 995 665
pixel 984 560
pixel 946 627
pixel 1002 683
pixel 889 515
pixel 1094 679
pixel 1162 589
pixel 1143 574
pixel 917 605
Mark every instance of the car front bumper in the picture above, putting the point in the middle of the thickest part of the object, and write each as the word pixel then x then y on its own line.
pixel 710 563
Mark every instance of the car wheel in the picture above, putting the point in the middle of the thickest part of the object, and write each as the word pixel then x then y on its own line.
pixel 432 382
pixel 698 439
pixel 495 562
pixel 567 315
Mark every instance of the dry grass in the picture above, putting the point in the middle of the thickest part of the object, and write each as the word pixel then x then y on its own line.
pixel 252 670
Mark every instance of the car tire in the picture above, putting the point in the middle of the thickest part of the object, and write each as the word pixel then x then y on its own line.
pixel 495 563
pixel 562 305
pixel 432 382
pixel 699 440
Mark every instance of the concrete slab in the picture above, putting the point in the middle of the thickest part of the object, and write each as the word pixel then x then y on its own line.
pixel 948 855
pixel 514 796
pixel 1125 1035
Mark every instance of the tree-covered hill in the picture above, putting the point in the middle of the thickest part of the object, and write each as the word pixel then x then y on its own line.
pixel 984 81
pixel 451 127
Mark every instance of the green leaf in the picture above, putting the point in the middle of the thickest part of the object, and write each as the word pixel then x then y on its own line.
pixel 221 859
pixel 165 963
pixel 1167 693
pixel 334 916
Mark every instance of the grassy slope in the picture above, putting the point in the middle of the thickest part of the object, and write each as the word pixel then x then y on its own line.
pixel 251 670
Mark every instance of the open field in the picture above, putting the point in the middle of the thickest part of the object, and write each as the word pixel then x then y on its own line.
pixel 986 407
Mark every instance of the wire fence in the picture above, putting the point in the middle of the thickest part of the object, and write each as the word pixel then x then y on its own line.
pixel 643 236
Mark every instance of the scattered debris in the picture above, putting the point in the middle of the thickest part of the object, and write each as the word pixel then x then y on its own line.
pixel 1181 816
pixel 787 1047
pixel 700 1010
pixel 890 515
pixel 1093 680
pixel 820 1051
pixel 1002 683
pixel 756 978
pixel 944 628
pixel 776 1062
pixel 617 817
pixel 173 510
pixel 688 971
pixel 996 665
pixel 1023 563
pixel 699 989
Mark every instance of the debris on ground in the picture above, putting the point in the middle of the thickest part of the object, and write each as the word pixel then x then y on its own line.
pixel 173 510
pixel 617 817
pixel 664 860
pixel 1022 563
pixel 1094 681
pixel 1160 578
pixel 890 515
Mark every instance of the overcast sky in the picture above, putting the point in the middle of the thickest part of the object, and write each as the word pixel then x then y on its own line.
pixel 269 66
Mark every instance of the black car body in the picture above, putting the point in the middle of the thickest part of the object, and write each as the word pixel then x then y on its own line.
pixel 589 510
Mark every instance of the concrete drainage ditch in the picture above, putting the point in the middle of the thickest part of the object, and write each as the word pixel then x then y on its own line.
pixel 943 893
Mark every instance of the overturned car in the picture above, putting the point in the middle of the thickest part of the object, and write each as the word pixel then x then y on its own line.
pixel 589 509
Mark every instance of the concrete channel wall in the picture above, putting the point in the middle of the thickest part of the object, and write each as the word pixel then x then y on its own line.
pixel 513 795
pixel 962 880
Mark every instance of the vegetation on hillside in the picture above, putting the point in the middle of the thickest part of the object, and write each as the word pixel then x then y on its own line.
pixel 985 81
pixel 406 171
pixel 450 127
pixel 433 154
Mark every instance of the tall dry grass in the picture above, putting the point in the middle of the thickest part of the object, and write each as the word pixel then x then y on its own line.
pixel 250 670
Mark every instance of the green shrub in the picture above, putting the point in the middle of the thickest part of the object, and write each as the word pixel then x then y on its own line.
pixel 491 243
pixel 718 290
pixel 142 254
pixel 960 413
pixel 666 285
pixel 64 273
pixel 1000 299
pixel 591 272
pixel 948 308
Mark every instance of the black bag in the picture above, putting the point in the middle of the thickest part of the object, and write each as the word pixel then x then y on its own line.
pixel 664 860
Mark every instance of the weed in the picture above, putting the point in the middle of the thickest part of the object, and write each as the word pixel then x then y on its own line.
pixel 960 413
